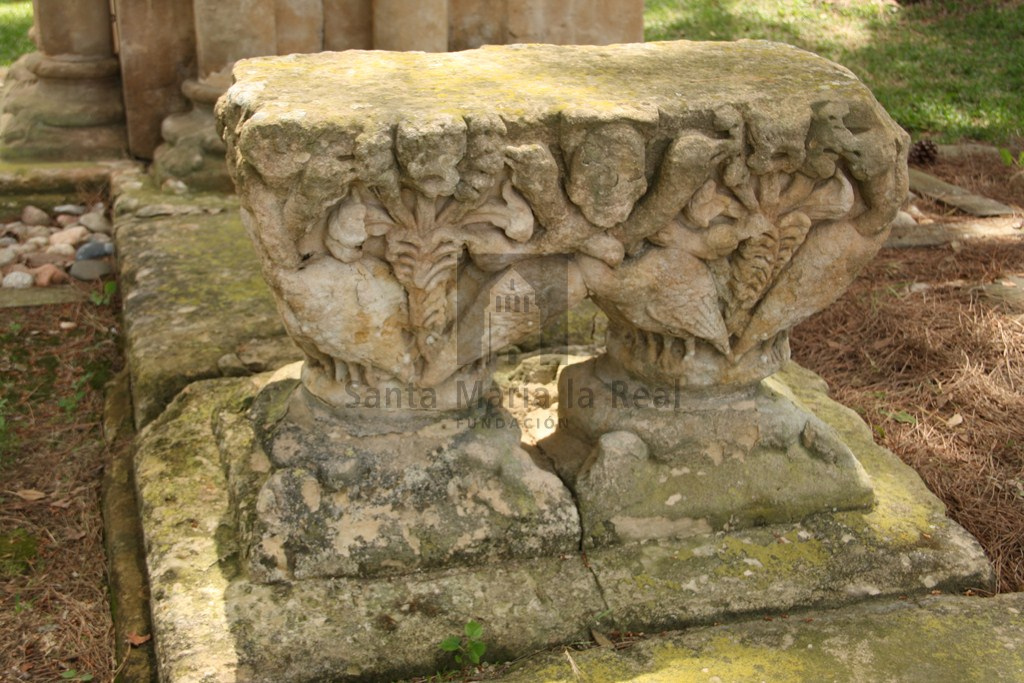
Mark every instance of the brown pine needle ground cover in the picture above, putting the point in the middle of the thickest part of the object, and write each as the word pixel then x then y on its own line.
pixel 54 608
pixel 937 369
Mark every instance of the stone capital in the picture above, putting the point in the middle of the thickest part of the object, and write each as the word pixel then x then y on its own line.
pixel 707 196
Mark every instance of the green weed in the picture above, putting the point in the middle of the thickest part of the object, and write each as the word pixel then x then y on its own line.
pixel 469 647
pixel 80 387
pixel 18 550
pixel 106 296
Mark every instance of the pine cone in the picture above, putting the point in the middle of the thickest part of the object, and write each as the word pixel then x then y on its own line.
pixel 923 152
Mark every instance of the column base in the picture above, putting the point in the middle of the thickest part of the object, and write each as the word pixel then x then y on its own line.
pixel 368 492
pixel 211 621
pixel 62 109
pixel 663 462
pixel 193 152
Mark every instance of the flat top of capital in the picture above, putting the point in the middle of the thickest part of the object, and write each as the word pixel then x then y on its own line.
pixel 638 80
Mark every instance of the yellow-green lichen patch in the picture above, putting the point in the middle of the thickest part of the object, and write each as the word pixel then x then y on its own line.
pixel 905 511
pixel 766 564
pixel 968 639
pixel 192 293
pixel 727 658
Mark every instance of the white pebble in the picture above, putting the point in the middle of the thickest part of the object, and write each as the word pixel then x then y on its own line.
pixel 61 249
pixel 18 280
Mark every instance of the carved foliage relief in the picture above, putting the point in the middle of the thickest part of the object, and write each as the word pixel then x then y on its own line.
pixel 703 241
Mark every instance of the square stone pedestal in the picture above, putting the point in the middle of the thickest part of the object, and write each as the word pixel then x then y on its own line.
pixel 213 623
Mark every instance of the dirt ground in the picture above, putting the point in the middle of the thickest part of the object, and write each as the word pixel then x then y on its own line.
pixel 55 619
pixel 930 362
pixel 934 362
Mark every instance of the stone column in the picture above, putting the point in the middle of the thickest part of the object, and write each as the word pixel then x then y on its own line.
pixel 226 31
pixel 348 24
pixel 157 48
pixel 300 26
pixel 589 22
pixel 415 213
pixel 473 23
pixel 64 101
pixel 410 25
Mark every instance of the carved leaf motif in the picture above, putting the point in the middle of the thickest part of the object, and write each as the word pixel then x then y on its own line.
pixel 513 216
pixel 793 229
pixel 830 200
pixel 753 266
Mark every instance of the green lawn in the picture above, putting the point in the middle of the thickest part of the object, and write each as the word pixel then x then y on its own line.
pixel 15 21
pixel 950 69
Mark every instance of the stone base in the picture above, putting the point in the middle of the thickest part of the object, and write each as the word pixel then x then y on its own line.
pixel 669 462
pixel 56 109
pixel 936 638
pixel 193 151
pixel 211 622
pixel 372 492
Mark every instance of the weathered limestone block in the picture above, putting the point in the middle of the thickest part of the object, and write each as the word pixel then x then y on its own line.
pixel 414 213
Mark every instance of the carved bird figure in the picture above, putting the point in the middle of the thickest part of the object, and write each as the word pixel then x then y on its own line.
pixel 666 291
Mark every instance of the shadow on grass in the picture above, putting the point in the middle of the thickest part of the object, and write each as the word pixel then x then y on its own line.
pixel 940 67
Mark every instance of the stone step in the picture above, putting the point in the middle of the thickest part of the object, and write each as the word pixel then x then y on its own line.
pixel 937 638
pixel 947 193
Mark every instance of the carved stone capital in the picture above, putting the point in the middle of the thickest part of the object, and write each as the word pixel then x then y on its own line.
pixel 707 197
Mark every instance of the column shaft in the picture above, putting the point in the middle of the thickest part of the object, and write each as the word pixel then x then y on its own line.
pixel 410 25
pixel 348 24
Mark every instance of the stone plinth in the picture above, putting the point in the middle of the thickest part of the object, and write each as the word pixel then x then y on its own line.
pixel 64 101
pixel 416 213
pixel 211 622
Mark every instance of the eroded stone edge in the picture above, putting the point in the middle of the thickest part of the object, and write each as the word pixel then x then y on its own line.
pixel 970 639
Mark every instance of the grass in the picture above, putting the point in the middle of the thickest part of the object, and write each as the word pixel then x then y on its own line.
pixel 15 21
pixel 942 68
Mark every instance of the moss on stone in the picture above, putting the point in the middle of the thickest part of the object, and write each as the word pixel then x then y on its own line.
pixel 192 293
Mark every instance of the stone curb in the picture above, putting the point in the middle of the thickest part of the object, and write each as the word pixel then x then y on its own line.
pixel 122 533
pixel 941 638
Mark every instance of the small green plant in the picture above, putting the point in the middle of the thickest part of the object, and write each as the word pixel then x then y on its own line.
pixel 106 296
pixel 1010 160
pixel 469 647
pixel 75 675
pixel 21 605
pixel 1013 162
pixel 70 403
